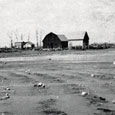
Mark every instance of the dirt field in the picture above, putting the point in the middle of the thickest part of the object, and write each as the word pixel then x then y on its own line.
pixel 65 77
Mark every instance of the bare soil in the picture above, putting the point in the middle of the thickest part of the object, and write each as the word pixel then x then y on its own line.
pixel 65 75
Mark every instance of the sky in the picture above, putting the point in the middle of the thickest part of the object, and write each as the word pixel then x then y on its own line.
pixel 68 17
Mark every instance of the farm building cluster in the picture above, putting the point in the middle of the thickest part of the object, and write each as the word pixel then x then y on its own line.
pixel 55 41
pixel 24 45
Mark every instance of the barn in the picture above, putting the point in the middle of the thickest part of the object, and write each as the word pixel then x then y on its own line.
pixel 80 39
pixel 52 40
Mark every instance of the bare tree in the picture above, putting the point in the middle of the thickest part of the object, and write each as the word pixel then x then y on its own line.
pixel 22 37
pixel 37 38
pixel 40 37
pixel 28 36
pixel 16 34
pixel 10 35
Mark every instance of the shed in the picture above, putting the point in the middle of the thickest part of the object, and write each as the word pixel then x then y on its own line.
pixel 29 45
pixel 20 45
pixel 52 40
pixel 24 45
pixel 79 39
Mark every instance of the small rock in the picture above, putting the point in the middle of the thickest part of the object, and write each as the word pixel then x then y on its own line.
pixel 7 88
pixel 5 97
pixel 113 101
pixel 39 85
pixel 43 85
pixel 92 75
pixel 84 93
pixel 35 85
pixel 101 98
pixel 50 59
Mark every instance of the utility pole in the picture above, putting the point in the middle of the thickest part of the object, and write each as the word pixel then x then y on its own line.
pixel 37 38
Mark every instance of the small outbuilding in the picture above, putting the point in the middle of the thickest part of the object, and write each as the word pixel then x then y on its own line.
pixel 29 45
pixel 19 45
pixel 24 45
pixel 52 40
pixel 81 39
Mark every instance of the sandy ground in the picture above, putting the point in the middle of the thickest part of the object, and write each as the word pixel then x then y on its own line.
pixel 65 77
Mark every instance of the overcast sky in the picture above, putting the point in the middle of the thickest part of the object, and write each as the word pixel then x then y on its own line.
pixel 59 16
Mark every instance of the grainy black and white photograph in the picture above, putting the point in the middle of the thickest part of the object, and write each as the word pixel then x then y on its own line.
pixel 57 57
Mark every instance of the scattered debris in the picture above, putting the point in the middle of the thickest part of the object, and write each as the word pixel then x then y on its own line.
pixel 84 93
pixel 101 98
pixel 40 84
pixel 94 99
pixel 35 85
pixel 7 89
pixel 5 97
pixel 112 112
pixel 92 75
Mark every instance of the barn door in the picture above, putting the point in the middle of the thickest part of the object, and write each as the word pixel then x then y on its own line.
pixel 52 45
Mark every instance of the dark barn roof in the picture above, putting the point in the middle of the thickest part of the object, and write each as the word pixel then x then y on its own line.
pixel 61 37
